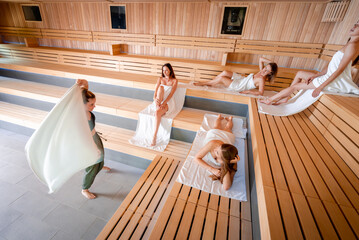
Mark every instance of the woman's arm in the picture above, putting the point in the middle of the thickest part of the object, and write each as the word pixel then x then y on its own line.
pixel 156 89
pixel 83 83
pixel 228 179
pixel 174 87
pixel 350 52
pixel 200 155
pixel 263 60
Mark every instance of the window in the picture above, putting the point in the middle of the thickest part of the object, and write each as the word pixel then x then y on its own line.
pixel 118 17
pixel 32 13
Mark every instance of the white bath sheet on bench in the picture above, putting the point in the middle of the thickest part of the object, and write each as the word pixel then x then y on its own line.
pixel 146 122
pixel 195 176
pixel 301 101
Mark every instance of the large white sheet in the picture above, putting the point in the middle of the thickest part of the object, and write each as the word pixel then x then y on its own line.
pixel 301 101
pixel 193 175
pixel 63 144
pixel 146 122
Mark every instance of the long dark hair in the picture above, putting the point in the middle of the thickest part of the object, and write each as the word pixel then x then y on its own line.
pixel 87 95
pixel 172 73
pixel 229 152
pixel 274 70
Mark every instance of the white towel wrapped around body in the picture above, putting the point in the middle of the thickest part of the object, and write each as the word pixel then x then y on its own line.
pixel 241 83
pixel 63 144
pixel 146 121
pixel 343 83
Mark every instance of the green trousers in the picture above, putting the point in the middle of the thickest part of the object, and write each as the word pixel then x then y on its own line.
pixel 90 174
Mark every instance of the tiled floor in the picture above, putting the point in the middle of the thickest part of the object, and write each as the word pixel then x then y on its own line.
pixel 28 212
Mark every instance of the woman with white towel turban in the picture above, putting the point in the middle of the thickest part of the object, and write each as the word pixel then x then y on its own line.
pixel 335 77
pixel 246 85
pixel 218 146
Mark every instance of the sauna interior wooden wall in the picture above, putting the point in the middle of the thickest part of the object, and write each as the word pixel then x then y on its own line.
pixel 277 21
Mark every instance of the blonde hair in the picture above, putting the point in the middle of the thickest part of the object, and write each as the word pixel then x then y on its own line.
pixel 228 152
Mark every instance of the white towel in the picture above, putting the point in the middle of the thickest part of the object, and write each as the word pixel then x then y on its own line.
pixel 301 101
pixel 146 121
pixel 63 144
pixel 343 83
pixel 196 176
pixel 241 83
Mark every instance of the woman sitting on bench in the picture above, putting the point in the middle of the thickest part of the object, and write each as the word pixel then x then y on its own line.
pixel 165 89
pixel 335 77
pixel 246 85
pixel 219 150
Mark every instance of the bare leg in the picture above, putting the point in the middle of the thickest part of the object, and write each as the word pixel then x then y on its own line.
pixel 218 123
pixel 160 95
pixel 223 78
pixel 159 114
pixel 299 77
pixel 229 124
pixel 287 92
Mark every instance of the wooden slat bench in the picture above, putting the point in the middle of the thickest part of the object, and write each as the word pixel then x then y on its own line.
pixel 306 170
pixel 117 138
pixel 188 119
pixel 190 213
pixel 185 69
pixel 137 214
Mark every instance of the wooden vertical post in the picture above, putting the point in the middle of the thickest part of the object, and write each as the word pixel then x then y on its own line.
pixel 115 49
pixel 31 42
pixel 224 59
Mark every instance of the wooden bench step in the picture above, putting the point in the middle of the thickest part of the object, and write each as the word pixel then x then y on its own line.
pixel 188 119
pixel 139 211
pixel 190 213
pixel 306 187
pixel 117 138
pixel 125 79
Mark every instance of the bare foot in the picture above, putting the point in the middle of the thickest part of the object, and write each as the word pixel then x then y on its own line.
pixel 220 117
pixel 266 101
pixel 283 100
pixel 153 143
pixel 229 118
pixel 88 194
pixel 106 168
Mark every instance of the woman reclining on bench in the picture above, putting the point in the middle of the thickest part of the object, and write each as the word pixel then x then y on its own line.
pixel 220 151
pixel 238 83
pixel 335 77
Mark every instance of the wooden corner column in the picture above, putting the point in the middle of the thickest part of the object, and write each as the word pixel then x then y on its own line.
pixel 115 49
pixel 31 42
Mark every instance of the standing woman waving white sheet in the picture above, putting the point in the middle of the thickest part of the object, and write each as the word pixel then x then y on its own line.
pixel 336 77
pixel 165 88
pixel 90 172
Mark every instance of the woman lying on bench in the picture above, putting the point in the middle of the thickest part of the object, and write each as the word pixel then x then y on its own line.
pixel 219 150
pixel 237 82
pixel 335 77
